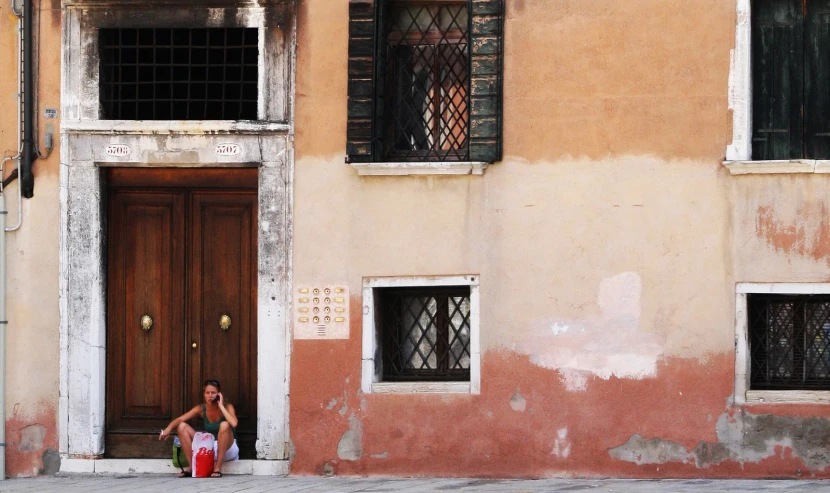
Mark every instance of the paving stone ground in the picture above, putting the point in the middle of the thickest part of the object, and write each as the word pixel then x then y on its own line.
pixel 258 484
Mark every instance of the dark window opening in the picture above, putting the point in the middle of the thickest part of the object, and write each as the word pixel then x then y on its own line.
pixel 179 74
pixel 790 79
pixel 789 342
pixel 426 81
pixel 425 333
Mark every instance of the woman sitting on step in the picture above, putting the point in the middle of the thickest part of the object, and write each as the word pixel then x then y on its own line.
pixel 220 421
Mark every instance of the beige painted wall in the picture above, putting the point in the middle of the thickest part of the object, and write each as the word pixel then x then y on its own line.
pixel 32 257
pixel 615 125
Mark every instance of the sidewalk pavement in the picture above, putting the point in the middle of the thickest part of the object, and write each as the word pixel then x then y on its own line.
pixel 257 484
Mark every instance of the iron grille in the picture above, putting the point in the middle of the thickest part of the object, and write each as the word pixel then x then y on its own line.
pixel 426 333
pixel 427 82
pixel 179 74
pixel 789 341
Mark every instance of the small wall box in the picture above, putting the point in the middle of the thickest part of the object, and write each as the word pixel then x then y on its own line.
pixel 321 312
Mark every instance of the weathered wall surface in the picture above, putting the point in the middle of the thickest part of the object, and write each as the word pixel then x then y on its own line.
pixel 32 365
pixel 607 242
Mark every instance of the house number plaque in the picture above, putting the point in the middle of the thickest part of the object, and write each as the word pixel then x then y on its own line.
pixel 227 149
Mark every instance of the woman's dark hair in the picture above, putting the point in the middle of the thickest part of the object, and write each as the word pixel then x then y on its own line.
pixel 215 383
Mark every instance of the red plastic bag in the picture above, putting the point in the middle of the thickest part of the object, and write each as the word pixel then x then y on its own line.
pixel 202 455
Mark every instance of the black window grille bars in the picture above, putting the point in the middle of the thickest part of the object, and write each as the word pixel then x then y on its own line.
pixel 425 333
pixel 179 73
pixel 427 80
pixel 789 342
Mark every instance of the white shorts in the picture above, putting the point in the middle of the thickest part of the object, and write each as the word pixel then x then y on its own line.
pixel 231 454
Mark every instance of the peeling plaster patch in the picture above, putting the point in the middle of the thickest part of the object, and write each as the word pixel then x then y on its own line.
pixel 743 438
pixel 611 346
pixel 561 444
pixel 805 233
pixel 654 451
pixel 518 403
pixel 51 462
pixel 31 438
pixel 382 455
pixel 332 403
pixel 350 446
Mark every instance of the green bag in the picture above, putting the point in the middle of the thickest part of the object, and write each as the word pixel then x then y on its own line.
pixel 179 460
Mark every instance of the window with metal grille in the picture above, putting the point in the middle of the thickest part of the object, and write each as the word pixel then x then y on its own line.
pixel 789 342
pixel 424 74
pixel 179 74
pixel 425 333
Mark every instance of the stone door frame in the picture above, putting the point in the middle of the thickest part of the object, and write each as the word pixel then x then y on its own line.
pixel 264 144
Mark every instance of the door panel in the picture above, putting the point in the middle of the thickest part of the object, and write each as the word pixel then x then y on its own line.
pixel 182 249
pixel 145 278
pixel 222 277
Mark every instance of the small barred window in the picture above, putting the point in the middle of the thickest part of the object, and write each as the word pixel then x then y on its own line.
pixel 179 74
pixel 789 339
pixel 425 333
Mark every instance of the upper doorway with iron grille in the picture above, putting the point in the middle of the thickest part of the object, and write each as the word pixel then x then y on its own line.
pixel 179 73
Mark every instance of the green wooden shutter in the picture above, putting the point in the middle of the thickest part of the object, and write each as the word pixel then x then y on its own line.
pixel 778 79
pixel 361 105
pixel 486 50
pixel 817 80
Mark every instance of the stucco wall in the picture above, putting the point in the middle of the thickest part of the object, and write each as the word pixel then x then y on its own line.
pixel 32 365
pixel 607 242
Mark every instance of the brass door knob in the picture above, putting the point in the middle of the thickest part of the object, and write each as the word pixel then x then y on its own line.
pixel 146 322
pixel 225 322
pixel 194 344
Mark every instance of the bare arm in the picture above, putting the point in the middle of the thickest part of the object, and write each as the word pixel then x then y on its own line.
pixel 228 411
pixel 181 419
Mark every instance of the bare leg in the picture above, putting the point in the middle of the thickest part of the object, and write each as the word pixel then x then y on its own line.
pixel 186 433
pixel 225 442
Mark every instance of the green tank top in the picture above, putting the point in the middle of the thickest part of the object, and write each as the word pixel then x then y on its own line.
pixel 213 427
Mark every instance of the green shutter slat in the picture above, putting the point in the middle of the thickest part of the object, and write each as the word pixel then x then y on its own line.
pixel 360 105
pixel 778 79
pixel 486 63
pixel 817 80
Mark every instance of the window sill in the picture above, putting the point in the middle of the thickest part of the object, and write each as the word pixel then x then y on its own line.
pixel 787 397
pixel 420 168
pixel 421 388
pixel 778 167
pixel 168 127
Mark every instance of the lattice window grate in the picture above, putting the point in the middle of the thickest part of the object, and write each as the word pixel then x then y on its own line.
pixel 426 333
pixel 789 342
pixel 427 103
pixel 179 74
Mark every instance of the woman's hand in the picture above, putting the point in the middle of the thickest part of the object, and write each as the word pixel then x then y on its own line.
pixel 221 399
pixel 164 435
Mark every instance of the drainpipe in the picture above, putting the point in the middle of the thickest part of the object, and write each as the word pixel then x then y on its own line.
pixel 27 180
pixel 3 323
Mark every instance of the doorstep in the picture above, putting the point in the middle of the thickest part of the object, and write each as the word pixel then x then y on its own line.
pixel 165 466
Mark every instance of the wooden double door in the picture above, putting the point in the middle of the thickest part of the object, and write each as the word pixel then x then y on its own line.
pixel 181 286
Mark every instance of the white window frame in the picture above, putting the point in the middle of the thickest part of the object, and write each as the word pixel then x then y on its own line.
pixel 743 360
pixel 371 380
pixel 739 153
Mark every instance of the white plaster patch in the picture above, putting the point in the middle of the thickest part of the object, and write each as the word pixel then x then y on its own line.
pixel 518 403
pixel 561 444
pixel 558 329
pixel 575 380
pixel 612 345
